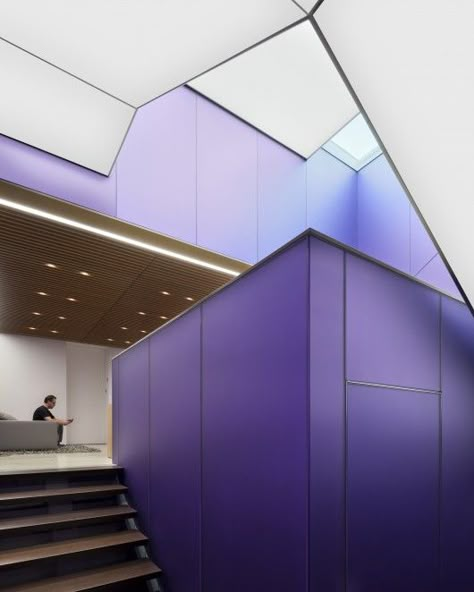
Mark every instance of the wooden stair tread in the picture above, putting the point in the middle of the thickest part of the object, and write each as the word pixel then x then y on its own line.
pixel 28 473
pixel 83 490
pixel 69 546
pixel 96 514
pixel 94 578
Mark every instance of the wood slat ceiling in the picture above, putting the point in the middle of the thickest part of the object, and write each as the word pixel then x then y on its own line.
pixel 123 282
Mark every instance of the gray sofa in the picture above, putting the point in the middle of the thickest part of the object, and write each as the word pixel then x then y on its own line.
pixel 28 435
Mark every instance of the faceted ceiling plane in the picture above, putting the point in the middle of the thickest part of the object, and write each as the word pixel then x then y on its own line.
pixel 137 50
pixel 287 87
pixel 49 109
pixel 410 65
pixel 307 5
pixel 77 70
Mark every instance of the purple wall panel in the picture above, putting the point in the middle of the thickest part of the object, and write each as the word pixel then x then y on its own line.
pixel 157 167
pixel 392 328
pixel 327 418
pixel 175 457
pixel 226 183
pixel 38 170
pixel 133 426
pixel 436 273
pixel 255 437
pixel 281 195
pixel 422 248
pixel 275 489
pixel 393 490
pixel 457 525
pixel 383 215
pixel 332 197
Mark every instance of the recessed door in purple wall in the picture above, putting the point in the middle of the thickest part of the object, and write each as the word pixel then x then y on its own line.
pixel 392 490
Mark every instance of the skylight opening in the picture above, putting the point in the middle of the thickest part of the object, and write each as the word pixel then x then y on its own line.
pixel 354 144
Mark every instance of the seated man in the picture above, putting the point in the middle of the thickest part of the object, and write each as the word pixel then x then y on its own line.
pixel 44 413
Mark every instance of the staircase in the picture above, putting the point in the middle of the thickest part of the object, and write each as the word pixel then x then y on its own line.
pixel 71 531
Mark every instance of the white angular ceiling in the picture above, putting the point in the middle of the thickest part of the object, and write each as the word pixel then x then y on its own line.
pixel 306 5
pixel 49 109
pixel 137 50
pixel 287 87
pixel 410 65
pixel 77 70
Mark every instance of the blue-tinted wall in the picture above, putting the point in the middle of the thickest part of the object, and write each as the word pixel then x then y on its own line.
pixel 388 227
pixel 191 170
pixel 309 426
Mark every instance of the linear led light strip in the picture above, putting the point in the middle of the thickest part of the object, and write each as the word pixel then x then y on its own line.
pixel 116 237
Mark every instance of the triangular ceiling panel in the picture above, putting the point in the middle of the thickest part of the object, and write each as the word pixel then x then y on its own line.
pixel 410 65
pixel 287 87
pixel 51 110
pixel 306 5
pixel 137 50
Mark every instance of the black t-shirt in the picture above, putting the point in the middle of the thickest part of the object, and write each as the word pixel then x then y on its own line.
pixel 42 413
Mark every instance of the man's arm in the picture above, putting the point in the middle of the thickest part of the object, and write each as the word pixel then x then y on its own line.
pixel 59 421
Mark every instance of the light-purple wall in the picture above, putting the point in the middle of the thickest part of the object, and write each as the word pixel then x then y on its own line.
pixel 191 170
pixel 32 168
pixel 324 416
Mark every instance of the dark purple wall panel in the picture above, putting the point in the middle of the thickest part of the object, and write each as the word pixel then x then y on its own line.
pixel 255 430
pixel 327 418
pixel 175 451
pixel 393 327
pixel 255 466
pixel 392 490
pixel 133 426
pixel 457 525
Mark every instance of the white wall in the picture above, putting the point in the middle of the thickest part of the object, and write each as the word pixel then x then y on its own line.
pixel 32 367
pixel 86 392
